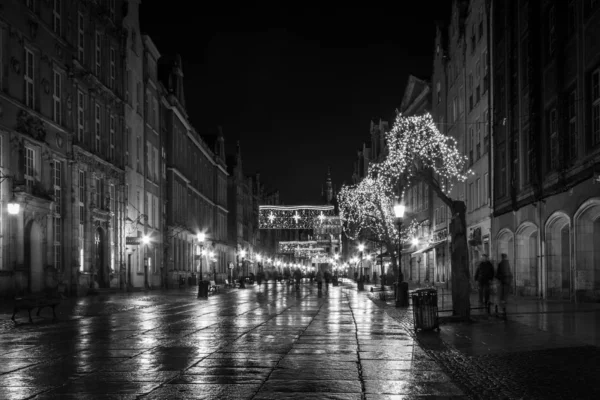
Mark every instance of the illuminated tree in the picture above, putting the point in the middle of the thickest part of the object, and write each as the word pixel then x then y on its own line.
pixel 417 151
pixel 368 209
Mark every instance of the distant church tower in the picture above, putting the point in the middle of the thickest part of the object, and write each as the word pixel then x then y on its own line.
pixel 327 191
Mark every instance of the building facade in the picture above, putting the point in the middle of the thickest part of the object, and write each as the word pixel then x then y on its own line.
pixel 546 138
pixel 63 117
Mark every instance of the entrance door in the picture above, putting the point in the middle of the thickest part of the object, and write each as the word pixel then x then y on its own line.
pixel 129 282
pixel 33 251
pixel 99 244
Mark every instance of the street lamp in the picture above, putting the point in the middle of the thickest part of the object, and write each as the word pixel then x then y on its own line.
pixel 399 209
pixel 361 283
pixel 199 252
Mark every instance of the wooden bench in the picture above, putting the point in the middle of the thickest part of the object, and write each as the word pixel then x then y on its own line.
pixel 30 302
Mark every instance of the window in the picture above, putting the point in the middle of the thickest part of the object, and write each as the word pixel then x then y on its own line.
pixel 80 38
pixel 596 107
pixel 30 167
pixel 484 58
pixel 29 79
pixel 486 179
pixel 572 125
pixel 436 216
pixel 156 164
pixel 127 83
pixel 111 148
pixel 113 68
pixel 156 217
pixel 138 150
pixel 486 138
pixel 155 112
pixel 478 193
pixel 553 133
pixel 146 206
pixel 97 128
pixel 57 242
pixel 478 139
pixel 439 93
pixel 127 139
pixel 81 197
pixel 57 184
pixel 425 197
pixel 98 54
pixel 56 17
pixel 470 146
pixel 461 106
pixel 31 4
pixel 149 166
pixel 56 97
pixel 80 115
pixel 139 97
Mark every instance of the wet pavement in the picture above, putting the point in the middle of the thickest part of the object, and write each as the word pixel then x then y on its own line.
pixel 268 342
pixel 276 342
pixel 542 350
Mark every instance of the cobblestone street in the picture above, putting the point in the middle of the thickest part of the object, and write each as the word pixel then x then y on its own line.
pixel 275 342
pixel 524 357
pixel 268 342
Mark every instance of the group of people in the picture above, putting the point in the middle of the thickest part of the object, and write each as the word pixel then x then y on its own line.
pixel 485 274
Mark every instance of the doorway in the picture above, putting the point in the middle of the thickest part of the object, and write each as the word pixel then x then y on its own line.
pixel 33 257
pixel 99 251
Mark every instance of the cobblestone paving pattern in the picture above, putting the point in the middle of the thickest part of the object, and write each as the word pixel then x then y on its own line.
pixel 554 369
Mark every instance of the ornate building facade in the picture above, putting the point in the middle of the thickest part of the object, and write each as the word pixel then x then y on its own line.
pixel 62 114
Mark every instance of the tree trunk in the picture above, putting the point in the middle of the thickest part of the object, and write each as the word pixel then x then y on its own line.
pixel 461 289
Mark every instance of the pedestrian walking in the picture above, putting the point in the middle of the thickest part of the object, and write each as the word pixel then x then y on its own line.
pixel 297 277
pixel 319 279
pixel 484 276
pixel 504 275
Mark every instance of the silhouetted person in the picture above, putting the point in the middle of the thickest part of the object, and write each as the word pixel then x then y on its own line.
pixel 484 276
pixel 504 275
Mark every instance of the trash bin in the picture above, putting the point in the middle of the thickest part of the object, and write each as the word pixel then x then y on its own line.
pixel 402 295
pixel 203 289
pixel 425 309
pixel 335 281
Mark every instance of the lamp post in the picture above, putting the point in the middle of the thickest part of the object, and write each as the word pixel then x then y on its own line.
pixel 401 299
pixel 361 282
pixel 199 253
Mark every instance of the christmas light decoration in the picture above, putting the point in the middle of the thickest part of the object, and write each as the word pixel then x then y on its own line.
pixel 293 217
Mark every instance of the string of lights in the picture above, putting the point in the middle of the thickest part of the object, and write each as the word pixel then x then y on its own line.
pixel 293 217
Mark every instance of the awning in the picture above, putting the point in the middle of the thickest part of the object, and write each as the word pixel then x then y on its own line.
pixel 431 246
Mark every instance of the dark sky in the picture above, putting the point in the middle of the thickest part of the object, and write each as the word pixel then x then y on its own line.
pixel 297 86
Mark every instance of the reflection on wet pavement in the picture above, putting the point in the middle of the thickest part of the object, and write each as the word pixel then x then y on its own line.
pixel 271 342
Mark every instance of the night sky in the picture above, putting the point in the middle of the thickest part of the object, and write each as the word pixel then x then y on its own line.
pixel 297 86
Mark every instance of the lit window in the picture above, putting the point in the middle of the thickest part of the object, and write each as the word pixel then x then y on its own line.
pixel 30 167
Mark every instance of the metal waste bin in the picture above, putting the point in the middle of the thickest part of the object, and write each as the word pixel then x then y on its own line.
pixel 203 289
pixel 425 309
